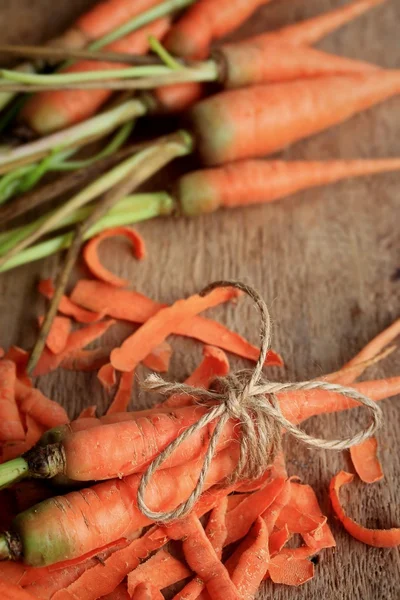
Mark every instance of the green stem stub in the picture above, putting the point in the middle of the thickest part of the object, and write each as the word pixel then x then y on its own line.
pixel 13 471
pixel 45 462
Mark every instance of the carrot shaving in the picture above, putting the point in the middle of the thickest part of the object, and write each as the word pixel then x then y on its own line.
pixel 159 358
pixel 120 593
pixel 20 357
pixel 146 591
pixel 136 347
pixel 11 428
pixel 107 376
pixel 278 539
pixel 85 360
pixel 380 538
pixel 92 260
pixel 34 432
pixel 291 567
pixel 58 334
pixel 66 306
pixel 365 460
pixel 43 410
pixel 123 395
pixel 89 411
pixel 273 511
pixel 253 562
pixel 10 591
pixel 161 570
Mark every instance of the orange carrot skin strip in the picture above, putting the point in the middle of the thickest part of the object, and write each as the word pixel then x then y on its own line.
pixel 380 538
pixel 291 567
pixel 132 306
pixel 20 357
pixel 157 328
pixel 55 109
pixel 206 21
pixel 9 591
pixel 92 260
pixel 240 519
pixel 146 591
pixel 260 181
pixel 69 526
pixel 253 563
pixel 89 411
pixel 85 360
pixel 161 570
pixel 66 306
pixel 58 334
pixel 159 358
pixel 11 428
pixel 124 393
pixel 120 593
pixel 43 410
pixel 366 462
pixel 312 30
pixel 278 539
pixel 34 432
pixel 271 514
pixel 282 113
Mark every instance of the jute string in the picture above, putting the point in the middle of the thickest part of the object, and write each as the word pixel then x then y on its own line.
pixel 250 399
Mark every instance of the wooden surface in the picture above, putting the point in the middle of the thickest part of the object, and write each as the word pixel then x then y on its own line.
pixel 325 260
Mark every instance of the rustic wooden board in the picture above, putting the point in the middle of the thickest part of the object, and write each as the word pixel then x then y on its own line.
pixel 326 262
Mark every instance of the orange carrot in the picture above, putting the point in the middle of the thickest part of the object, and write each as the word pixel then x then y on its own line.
pixel 380 538
pixel 58 334
pixel 76 341
pixel 178 97
pixel 365 460
pixel 161 570
pixel 291 566
pixel 9 591
pixel 260 181
pixel 253 562
pixel 11 428
pixel 159 358
pixel 66 306
pixel 312 30
pixel 157 328
pixel 48 111
pixel 90 253
pixel 214 364
pixel 123 395
pixel 240 519
pixel 85 360
pixel 128 305
pixel 205 21
pixel 43 410
pixel 283 113
pixel 202 558
pixel 69 526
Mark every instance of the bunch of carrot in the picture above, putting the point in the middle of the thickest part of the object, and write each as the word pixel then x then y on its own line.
pixel 56 542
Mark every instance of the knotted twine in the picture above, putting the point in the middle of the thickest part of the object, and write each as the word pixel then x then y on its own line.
pixel 250 399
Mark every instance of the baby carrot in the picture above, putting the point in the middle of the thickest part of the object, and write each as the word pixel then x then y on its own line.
pixel 11 428
pixel 380 538
pixel 132 306
pixel 283 113
pixel 92 260
pixel 261 181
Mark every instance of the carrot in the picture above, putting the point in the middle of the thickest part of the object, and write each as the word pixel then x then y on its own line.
pixel 69 526
pixel 58 334
pixel 161 570
pixel 10 423
pixel 123 395
pixel 85 360
pixel 159 358
pixel 48 111
pixel 146 591
pixel 157 328
pixel 253 562
pixel 205 21
pixel 291 566
pixel 302 514
pixel 76 341
pixel 365 460
pixel 380 538
pixel 240 519
pixel 43 410
pixel 282 113
pixel 178 97
pixel 128 305
pixel 9 591
pixel 202 558
pixel 278 539
pixel 313 30
pixel 255 181
pixel 66 306
pixel 214 364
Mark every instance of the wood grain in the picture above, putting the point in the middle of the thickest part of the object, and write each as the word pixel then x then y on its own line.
pixel 325 261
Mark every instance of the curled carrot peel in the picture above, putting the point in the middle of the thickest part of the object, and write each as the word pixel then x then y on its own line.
pixel 291 566
pixel 107 376
pixel 66 306
pixel 157 328
pixel 11 428
pixel 253 562
pixel 58 334
pixel 366 462
pixel 380 538
pixel 146 591
pixel 278 539
pixel 159 358
pixel 89 411
pixel 90 253
pixel 162 569
pixel 85 360
pixel 43 410
pixel 123 395
pixel 34 432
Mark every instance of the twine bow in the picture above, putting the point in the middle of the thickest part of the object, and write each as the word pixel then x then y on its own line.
pixel 248 398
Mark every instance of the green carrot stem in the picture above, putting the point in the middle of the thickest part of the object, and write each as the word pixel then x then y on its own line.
pixel 13 471
pixel 76 135
pixel 163 53
pixel 133 209
pixel 161 10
